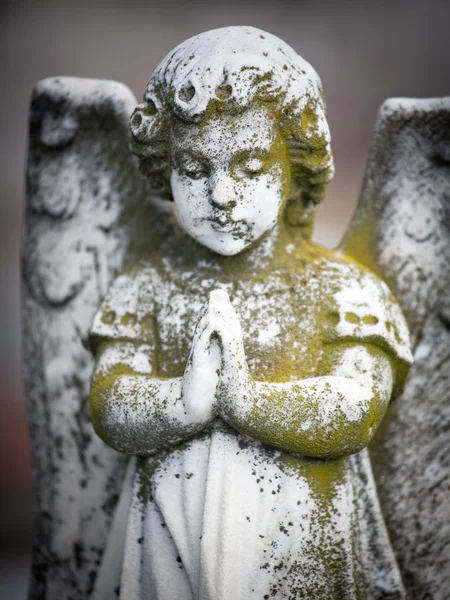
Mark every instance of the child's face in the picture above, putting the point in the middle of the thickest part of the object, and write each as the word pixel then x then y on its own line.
pixel 229 178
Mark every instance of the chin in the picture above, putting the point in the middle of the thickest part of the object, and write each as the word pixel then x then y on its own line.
pixel 229 251
pixel 224 245
pixel 226 249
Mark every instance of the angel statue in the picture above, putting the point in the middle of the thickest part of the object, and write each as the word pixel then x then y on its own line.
pixel 236 370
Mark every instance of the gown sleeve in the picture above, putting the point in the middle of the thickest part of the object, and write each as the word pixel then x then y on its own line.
pixel 127 311
pixel 368 313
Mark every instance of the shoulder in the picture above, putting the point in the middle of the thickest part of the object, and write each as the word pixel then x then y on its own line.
pixel 127 310
pixel 359 307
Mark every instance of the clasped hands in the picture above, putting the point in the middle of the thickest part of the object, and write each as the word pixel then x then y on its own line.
pixel 216 379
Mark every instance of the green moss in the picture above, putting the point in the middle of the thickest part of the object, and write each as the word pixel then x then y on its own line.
pixel 100 391
pixel 108 316
pixel 146 470
pixel 369 320
pixel 128 319
pixel 351 317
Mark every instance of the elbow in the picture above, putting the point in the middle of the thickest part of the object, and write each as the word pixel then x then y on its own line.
pixel 351 428
pixel 100 409
pixel 343 445
pixel 333 437
pixel 107 417
pixel 323 443
pixel 343 439
pixel 117 434
pixel 121 419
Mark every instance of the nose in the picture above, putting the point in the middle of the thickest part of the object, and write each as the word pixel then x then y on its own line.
pixel 221 191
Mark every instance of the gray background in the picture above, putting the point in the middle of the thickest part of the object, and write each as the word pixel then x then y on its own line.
pixel 364 52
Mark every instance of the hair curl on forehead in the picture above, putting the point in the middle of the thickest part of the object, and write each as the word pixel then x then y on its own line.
pixel 229 70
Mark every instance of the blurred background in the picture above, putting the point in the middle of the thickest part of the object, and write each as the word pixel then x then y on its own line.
pixel 364 52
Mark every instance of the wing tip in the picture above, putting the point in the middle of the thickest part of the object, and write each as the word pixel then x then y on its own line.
pixel 83 92
pixel 401 107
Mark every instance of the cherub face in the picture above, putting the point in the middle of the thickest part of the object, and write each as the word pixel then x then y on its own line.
pixel 229 178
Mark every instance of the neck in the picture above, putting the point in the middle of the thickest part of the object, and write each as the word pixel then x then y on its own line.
pixel 272 250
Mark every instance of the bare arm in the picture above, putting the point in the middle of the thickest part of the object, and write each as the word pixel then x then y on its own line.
pixel 325 417
pixel 135 412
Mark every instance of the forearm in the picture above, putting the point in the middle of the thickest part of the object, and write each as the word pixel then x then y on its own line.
pixel 137 414
pixel 322 417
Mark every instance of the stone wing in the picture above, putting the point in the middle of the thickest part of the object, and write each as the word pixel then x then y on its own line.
pixel 401 230
pixel 86 208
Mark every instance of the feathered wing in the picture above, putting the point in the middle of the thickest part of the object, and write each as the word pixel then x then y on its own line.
pixel 87 215
pixel 401 230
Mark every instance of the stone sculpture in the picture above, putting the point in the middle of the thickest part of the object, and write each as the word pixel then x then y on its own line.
pixel 240 369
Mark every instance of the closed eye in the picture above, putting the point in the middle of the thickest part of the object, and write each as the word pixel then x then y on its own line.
pixel 252 167
pixel 194 173
pixel 192 169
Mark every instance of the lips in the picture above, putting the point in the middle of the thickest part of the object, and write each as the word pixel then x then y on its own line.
pixel 223 224
pixel 227 226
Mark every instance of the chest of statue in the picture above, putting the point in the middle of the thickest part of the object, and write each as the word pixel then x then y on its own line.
pixel 280 314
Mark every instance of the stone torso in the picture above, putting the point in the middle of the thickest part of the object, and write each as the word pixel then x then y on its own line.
pixel 296 520
pixel 280 321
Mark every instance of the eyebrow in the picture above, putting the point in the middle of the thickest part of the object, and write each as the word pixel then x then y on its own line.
pixel 252 153
pixel 183 155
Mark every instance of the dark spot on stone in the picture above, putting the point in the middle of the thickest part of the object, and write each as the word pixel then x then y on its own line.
pixel 370 320
pixel 351 317
pixel 108 317
pixel 333 318
pixel 136 119
pixel 150 110
pixel 186 93
pixel 243 444
pixel 128 319
pixel 223 92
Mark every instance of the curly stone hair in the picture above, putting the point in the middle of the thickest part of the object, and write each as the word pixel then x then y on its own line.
pixel 228 70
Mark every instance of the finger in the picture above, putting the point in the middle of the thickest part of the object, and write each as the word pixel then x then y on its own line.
pixel 206 336
pixel 221 311
pixel 218 296
pixel 215 348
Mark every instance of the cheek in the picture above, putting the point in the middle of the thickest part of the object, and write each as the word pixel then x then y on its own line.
pixel 189 196
pixel 260 199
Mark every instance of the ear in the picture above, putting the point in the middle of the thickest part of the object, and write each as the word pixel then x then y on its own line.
pixel 301 207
